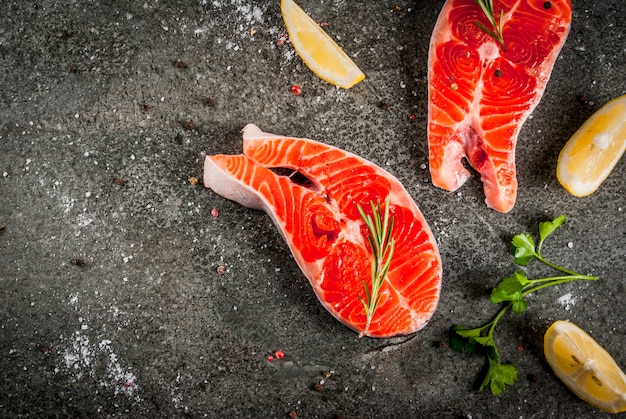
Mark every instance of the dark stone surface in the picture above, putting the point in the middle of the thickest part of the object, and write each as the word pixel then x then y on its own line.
pixel 112 303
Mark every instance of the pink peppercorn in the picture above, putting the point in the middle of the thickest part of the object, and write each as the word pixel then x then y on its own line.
pixel 296 90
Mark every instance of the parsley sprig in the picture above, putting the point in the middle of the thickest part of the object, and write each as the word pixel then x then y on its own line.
pixel 380 226
pixel 496 31
pixel 511 292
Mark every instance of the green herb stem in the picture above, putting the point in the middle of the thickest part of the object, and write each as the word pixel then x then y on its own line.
pixel 553 265
pixel 556 280
pixel 492 328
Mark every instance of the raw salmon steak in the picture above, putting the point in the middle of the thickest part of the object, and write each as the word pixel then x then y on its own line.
pixel 312 192
pixel 481 91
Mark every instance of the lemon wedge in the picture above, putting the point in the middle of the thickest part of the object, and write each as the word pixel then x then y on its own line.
pixel 318 51
pixel 585 367
pixel 590 155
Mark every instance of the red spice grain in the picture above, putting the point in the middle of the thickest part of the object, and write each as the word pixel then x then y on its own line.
pixel 296 90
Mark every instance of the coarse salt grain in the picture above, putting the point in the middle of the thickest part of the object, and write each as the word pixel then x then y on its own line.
pixel 567 301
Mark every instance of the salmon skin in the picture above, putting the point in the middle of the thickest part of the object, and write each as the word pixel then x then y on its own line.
pixel 480 92
pixel 311 191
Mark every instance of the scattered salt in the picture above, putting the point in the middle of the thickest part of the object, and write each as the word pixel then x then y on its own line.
pixel 567 301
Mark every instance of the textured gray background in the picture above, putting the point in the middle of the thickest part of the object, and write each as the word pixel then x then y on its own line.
pixel 147 327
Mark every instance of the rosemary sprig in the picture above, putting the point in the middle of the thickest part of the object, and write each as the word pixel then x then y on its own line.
pixel 380 227
pixel 496 31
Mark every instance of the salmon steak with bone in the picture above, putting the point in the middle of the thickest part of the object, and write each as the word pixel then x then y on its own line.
pixel 485 77
pixel 321 198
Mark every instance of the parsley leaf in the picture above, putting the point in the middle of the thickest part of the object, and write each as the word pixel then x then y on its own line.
pixel 546 228
pixel 519 306
pixel 463 342
pixel 498 377
pixel 510 288
pixel 523 249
